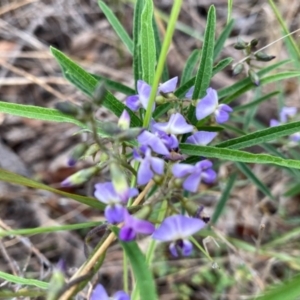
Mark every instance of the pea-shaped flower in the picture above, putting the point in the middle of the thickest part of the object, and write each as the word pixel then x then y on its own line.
pixel 176 229
pixel 99 293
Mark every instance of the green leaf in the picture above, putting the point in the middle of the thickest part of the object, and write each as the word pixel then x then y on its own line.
pixel 117 26
pixel 148 51
pixel 21 180
pixel 114 85
pixel 204 73
pixel 255 102
pixel 87 83
pixel 39 230
pixel 181 91
pixel 24 281
pixel 261 136
pixel 142 274
pixel 137 62
pixel 190 66
pixel 288 290
pixel 237 155
pixel 224 198
pixel 240 84
pixel 38 113
pixel 263 81
pixel 222 38
pixel 222 64
pixel 250 175
pixel 294 190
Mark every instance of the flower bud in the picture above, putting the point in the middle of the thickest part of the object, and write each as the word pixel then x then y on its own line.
pixel 160 100
pixel 240 45
pixel 68 108
pixel 118 179
pixel 56 283
pixel 178 182
pixel 237 69
pixel 80 177
pixel 99 93
pixel 158 179
pixel 130 134
pixel 124 121
pixel 110 128
pixel 77 153
pixel 254 43
pixel 144 212
pixel 262 56
pixel 254 77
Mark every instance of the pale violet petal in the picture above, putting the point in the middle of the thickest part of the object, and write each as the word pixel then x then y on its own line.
pixel 133 102
pixel 168 86
pixel 181 170
pixel 201 138
pixel 207 105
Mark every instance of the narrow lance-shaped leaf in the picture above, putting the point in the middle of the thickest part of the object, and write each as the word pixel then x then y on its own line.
pixel 237 155
pixel 148 51
pixel 142 274
pixel 204 73
pixel 261 136
pixel 117 26
pixel 137 60
pixel 21 180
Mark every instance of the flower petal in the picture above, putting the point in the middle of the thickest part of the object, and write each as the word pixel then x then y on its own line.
pixel 147 138
pixel 186 248
pixel 176 125
pixel 192 182
pixel 181 170
pixel 177 227
pixel 106 193
pixel 190 92
pixel 168 86
pixel 133 102
pixel 127 234
pixel 120 295
pixel 201 138
pixel 274 123
pixel 144 90
pixel 124 120
pixel 222 113
pixel 99 293
pixel 173 249
pixel 145 173
pixel 114 213
pixel 207 105
pixel 287 112
pixel 157 165
pixel 209 176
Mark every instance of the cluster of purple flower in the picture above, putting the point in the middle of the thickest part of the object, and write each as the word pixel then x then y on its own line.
pixel 158 147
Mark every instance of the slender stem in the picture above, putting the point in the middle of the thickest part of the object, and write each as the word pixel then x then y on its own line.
pixel 162 58
pixel 201 248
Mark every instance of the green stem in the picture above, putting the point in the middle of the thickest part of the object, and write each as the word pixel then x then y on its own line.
pixel 125 272
pixel 201 248
pixel 162 58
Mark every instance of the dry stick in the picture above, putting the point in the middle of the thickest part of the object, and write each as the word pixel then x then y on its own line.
pixel 35 80
pixel 25 81
pixel 14 6
pixel 86 268
pixel 26 242
pixel 12 264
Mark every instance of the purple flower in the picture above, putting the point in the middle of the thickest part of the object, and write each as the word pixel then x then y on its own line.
pixel 193 175
pixel 99 293
pixel 286 113
pixel 153 140
pixel 190 92
pixel 168 86
pixel 177 229
pixel 209 104
pixel 149 165
pixel 134 102
pixel 295 137
pixel 133 226
pixel 274 122
pixel 141 99
pixel 201 138
pixel 114 210
pixel 124 120
pixel 176 125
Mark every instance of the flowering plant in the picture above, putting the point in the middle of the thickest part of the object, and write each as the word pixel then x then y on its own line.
pixel 165 149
